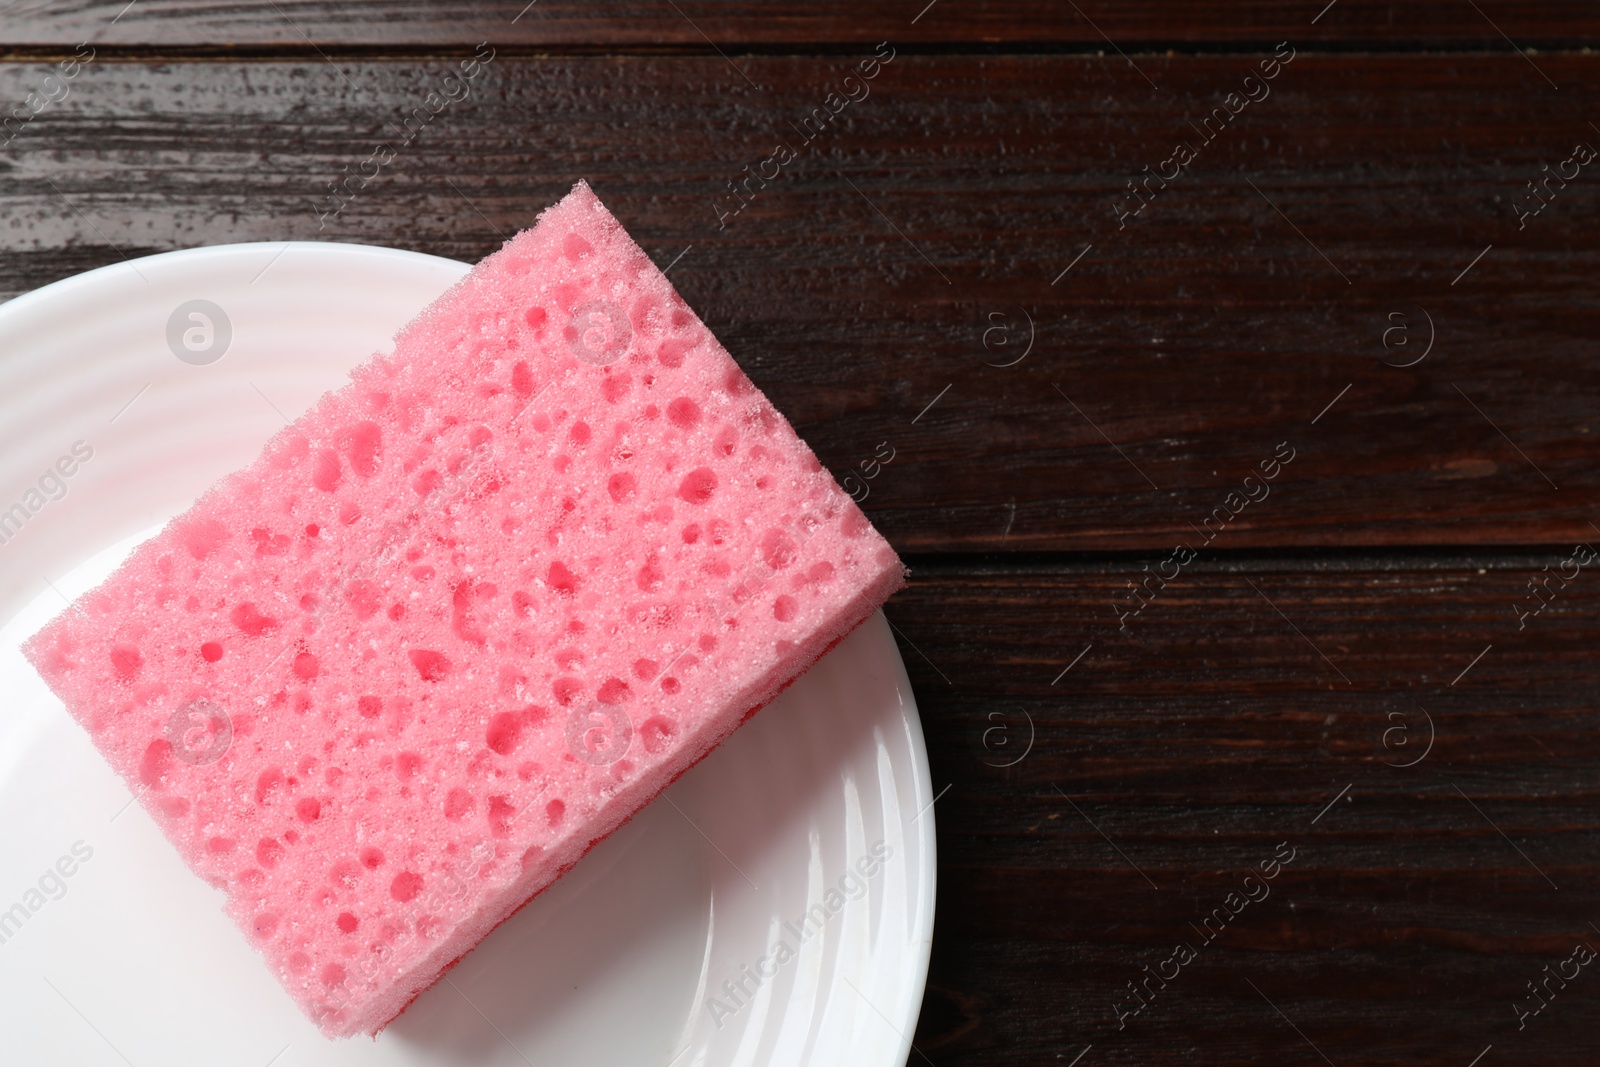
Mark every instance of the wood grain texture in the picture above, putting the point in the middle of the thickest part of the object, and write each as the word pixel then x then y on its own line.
pixel 1348 666
pixel 881 287
pixel 1173 758
pixel 769 23
pixel 1114 773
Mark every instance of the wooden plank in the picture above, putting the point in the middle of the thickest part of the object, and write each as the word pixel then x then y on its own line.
pixel 1173 759
pixel 1144 25
pixel 881 287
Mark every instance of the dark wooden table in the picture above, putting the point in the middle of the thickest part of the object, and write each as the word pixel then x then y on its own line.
pixel 1324 387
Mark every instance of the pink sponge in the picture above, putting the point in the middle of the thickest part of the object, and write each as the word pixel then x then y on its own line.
pixel 465 616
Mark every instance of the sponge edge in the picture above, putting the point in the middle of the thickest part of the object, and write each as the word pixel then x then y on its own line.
pixel 466 616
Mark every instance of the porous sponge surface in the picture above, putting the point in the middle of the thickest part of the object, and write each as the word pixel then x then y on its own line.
pixel 465 616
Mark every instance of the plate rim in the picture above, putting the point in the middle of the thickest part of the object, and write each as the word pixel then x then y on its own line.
pixel 96 275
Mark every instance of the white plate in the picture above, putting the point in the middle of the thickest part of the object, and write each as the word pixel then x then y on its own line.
pixel 130 960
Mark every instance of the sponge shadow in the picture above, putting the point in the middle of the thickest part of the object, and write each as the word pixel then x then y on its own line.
pixel 627 925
